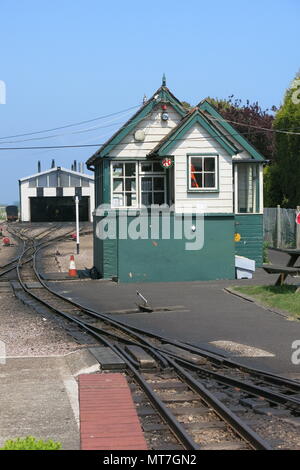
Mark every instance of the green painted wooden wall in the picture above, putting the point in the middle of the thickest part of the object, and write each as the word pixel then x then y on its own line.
pixel 250 227
pixel 163 260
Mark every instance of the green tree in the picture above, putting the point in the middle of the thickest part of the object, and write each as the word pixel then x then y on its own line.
pixel 272 189
pixel 287 148
pixel 253 122
pixel 186 105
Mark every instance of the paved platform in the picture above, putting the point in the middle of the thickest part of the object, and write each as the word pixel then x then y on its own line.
pixel 108 418
pixel 39 397
pixel 209 314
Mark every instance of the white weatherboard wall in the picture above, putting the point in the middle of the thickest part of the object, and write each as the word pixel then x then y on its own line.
pixel 155 129
pixel 214 202
pixel 196 140
pixel 26 193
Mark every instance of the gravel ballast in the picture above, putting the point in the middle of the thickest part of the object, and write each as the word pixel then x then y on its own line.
pixel 26 333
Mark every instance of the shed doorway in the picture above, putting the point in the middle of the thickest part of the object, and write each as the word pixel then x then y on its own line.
pixel 58 209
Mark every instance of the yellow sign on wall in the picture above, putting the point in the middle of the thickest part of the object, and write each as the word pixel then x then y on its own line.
pixel 237 237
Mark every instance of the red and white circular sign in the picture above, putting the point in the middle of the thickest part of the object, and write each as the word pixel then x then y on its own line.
pixel 167 162
pixel 298 218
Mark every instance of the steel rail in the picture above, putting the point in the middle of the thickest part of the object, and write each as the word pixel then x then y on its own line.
pixel 264 375
pixel 236 424
pixel 176 427
pixel 42 243
pixel 218 360
pixel 271 396
pixel 241 428
pixel 98 316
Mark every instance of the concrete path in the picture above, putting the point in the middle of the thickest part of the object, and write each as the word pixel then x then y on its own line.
pixel 39 397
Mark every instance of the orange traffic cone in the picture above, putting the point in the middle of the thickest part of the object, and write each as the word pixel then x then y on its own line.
pixel 72 268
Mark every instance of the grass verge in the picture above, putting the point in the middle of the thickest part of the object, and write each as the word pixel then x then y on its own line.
pixel 278 297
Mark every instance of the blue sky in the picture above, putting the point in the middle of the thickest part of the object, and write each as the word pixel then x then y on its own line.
pixel 69 61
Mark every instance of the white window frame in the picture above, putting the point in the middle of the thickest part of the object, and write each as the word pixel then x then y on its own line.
pixel 112 186
pixel 153 191
pixel 215 188
pixel 139 174
pixel 258 191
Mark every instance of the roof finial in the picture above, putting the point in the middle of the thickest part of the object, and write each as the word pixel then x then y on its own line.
pixel 164 80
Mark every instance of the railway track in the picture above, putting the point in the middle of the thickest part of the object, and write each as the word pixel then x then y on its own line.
pixel 26 246
pixel 186 397
pixel 31 242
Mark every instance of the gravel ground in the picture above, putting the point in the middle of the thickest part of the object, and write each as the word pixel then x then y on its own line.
pixel 25 333
pixel 279 433
pixel 56 258
pixel 7 253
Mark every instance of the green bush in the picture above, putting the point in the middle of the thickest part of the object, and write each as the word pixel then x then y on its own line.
pixel 30 443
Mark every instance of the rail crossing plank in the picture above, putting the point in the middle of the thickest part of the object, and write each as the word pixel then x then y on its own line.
pixel 144 359
pixel 107 358
pixel 196 358
pixel 108 418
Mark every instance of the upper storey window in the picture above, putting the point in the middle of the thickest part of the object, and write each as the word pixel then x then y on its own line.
pixel 202 173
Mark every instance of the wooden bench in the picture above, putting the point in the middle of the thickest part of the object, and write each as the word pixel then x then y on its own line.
pixel 283 272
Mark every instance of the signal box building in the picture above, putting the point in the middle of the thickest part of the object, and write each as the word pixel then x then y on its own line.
pixel 166 154
pixel 49 196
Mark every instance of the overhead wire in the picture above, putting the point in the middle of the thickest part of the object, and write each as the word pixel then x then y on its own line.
pixel 111 123
pixel 80 131
pixel 70 125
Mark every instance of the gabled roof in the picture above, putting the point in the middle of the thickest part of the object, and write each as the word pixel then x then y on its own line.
pixel 177 133
pixel 207 107
pixel 51 170
pixel 162 95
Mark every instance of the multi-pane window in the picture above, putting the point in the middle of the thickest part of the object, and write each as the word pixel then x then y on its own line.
pixel 74 180
pixel 64 179
pixel 85 183
pixel 152 183
pixel 43 181
pixel 151 167
pixel 248 187
pixel 32 183
pixel 202 172
pixel 152 190
pixel 53 180
pixel 135 184
pixel 61 179
pixel 124 187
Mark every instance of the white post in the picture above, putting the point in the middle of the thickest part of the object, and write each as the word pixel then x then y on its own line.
pixel 77 222
pixel 236 188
